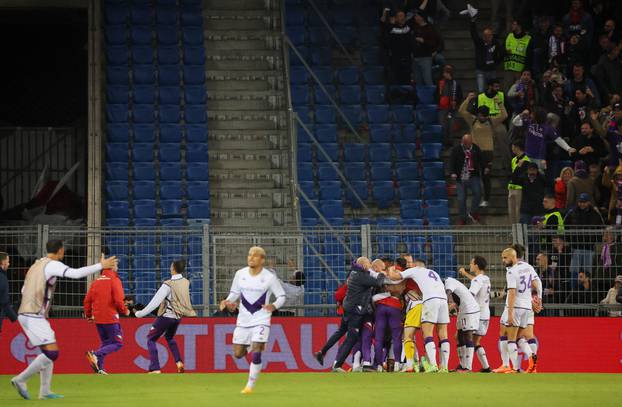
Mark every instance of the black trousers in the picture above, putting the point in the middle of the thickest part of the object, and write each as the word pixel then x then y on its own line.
pixel 338 334
pixel 354 323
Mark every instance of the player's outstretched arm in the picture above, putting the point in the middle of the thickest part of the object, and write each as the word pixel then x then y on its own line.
pixel 155 302
pixel 68 272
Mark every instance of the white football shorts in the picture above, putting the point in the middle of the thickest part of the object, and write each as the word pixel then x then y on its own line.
pixel 37 329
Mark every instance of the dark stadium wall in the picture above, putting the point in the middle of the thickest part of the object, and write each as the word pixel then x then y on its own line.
pixel 206 345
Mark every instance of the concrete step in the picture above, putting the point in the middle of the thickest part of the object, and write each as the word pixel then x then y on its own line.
pixel 241 178
pixel 252 85
pixel 241 102
pixel 244 141
pixel 242 62
pixel 242 24
pixel 242 75
pixel 241 13
pixel 240 45
pixel 248 217
pixel 245 160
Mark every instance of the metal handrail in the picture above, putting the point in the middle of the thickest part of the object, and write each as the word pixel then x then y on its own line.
pixel 321 85
pixel 330 30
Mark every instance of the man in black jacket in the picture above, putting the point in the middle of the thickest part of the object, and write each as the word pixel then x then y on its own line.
pixel 465 162
pixel 533 193
pixel 5 303
pixel 488 53
pixel 357 306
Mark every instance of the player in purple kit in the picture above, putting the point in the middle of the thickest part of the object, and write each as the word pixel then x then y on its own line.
pixel 253 286
pixel 173 302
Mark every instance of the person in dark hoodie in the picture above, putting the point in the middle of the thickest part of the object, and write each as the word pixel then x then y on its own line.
pixel 465 162
pixel 356 306
pixel 488 53
pixel 580 184
pixel 5 303
pixel 425 43
pixel 533 193
pixel 397 32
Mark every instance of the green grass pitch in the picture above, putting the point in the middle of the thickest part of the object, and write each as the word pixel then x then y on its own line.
pixel 328 389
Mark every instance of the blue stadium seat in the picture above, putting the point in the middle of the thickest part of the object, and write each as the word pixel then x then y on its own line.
pixel 415 245
pixel 171 190
pixel 353 114
pixel 144 74
pixel 167 35
pixel 320 96
pixel 117 94
pixel 350 95
pixel 169 95
pixel 305 172
pixel 435 190
pixel 198 209
pixel 142 55
pixel 143 113
pixel 192 36
pixel 117 75
pixel 402 114
pixel 145 208
pixel 444 260
pixel 293 58
pixel 332 149
pixel 170 172
pixel 195 114
pixel 303 113
pixel 347 35
pixel 197 172
pixel 362 191
pixel 196 133
pixel 380 133
pixel 198 190
pixel 194 75
pixel 375 94
pixel 411 209
pixel 166 15
pixel 172 222
pixel 117 113
pixel 196 152
pixel 117 209
pixel 170 207
pixel 431 151
pixel 294 16
pixel 348 75
pixel 407 135
pixel 116 152
pixel 305 152
pixel 426 95
pixel 117 132
pixel 168 55
pixel 195 95
pixel 325 114
pixel 116 190
pixel 330 190
pixel 297 35
pixel 169 114
pixel 355 171
pixel 321 56
pixel 145 222
pixel 190 18
pixel 432 134
pixel 142 152
pixel 117 171
pixel 144 133
pixel 380 152
pixel 298 75
pixel 117 55
pixel 410 190
pixel 438 221
pixel 370 56
pixel 300 94
pixel 144 171
pixel 141 15
pixel 381 171
pixel 170 133
pixel 437 208
pixel 407 171
pixel 116 13
pixel 144 94
pixel 377 114
pixel 301 134
pixel 169 75
pixel 169 152
pixel 342 16
pixel 433 171
pixel 383 192
pixel 374 75
pixel 405 151
pixel 326 172
pixel 308 187
pixel 194 55
pixel 143 190
pixel 141 35
pixel 331 208
pixel 355 152
pixel 325 75
pixel 427 115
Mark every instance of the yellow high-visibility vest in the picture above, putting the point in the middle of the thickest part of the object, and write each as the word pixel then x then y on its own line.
pixel 483 100
pixel 515 59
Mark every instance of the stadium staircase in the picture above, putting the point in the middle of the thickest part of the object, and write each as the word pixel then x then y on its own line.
pixel 247 114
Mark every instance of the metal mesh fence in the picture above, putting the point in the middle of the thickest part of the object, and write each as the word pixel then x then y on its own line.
pixel 577 267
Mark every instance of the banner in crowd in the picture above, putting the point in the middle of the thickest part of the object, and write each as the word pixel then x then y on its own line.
pixel 565 345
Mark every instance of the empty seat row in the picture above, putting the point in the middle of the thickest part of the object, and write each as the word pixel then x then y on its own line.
pixel 150 74
pixel 147 209
pixel 121 55
pixel 373 114
pixel 145 35
pixel 146 132
pixel 144 14
pixel 165 95
pixel 375 152
pixel 194 190
pixel 147 152
pixel 146 113
pixel 148 171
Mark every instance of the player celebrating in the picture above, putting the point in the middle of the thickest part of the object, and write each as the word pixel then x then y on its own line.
pixel 480 288
pixel 173 300
pixel 103 304
pixel 520 283
pixel 37 295
pixel 467 321
pixel 413 319
pixel 253 286
pixel 435 312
